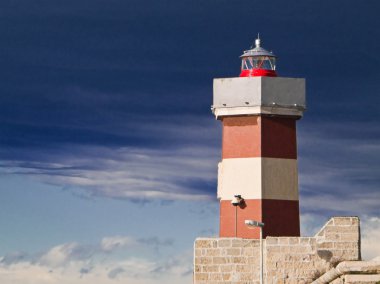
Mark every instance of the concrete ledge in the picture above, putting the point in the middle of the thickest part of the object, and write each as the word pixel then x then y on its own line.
pixel 362 279
pixel 259 95
pixel 255 110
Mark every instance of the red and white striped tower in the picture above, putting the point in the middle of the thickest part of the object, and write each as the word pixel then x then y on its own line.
pixel 259 111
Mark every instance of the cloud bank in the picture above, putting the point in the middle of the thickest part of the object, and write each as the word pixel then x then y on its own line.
pixel 112 260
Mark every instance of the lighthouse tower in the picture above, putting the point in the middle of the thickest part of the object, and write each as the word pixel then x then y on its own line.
pixel 257 176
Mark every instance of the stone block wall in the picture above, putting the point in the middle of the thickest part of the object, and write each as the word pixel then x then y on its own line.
pixel 286 259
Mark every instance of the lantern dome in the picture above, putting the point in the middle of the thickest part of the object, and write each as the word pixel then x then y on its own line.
pixel 258 62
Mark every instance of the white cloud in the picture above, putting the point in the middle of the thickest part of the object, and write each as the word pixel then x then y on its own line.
pixel 26 273
pixel 110 243
pixel 58 255
pixel 370 230
pixel 74 263
pixel 134 271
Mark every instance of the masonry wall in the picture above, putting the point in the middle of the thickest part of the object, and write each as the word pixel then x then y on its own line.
pixel 286 259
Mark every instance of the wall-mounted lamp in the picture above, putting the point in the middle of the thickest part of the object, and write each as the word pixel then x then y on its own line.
pixel 237 200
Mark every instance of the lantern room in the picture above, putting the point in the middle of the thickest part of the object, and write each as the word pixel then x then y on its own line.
pixel 257 62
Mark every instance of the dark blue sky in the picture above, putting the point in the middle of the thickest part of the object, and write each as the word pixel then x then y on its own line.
pixel 110 101
pixel 66 65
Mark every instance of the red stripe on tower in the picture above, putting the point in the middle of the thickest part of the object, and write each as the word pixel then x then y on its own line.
pixel 259 136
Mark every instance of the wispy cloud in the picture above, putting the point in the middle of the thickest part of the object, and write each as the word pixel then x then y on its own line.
pixel 164 170
pixel 109 244
pixel 127 173
pixel 339 168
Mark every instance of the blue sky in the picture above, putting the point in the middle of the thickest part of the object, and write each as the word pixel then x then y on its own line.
pixel 108 148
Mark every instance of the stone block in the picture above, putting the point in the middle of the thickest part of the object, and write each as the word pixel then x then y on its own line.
pixel 203 260
pixel 346 245
pixel 341 229
pixel 226 277
pixel 243 268
pixel 245 277
pixel 294 241
pixel 197 252
pixel 239 259
pixel 275 257
pixel 224 243
pixel 271 241
pixel 205 243
pixel 239 243
pixel 254 260
pixel 227 268
pixel 273 249
pixel 201 276
pixel 233 251
pixel 210 268
pixel 332 236
pixel 270 263
pixel 352 237
pixel 279 281
pixel 220 260
pixel 249 252
pixel 350 255
pixel 283 241
pixel 213 252
pixel 216 276
pixel 301 249
pixel 286 249
pixel 342 221
pixel 305 241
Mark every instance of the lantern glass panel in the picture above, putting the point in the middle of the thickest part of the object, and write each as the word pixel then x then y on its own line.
pixel 273 62
pixel 259 62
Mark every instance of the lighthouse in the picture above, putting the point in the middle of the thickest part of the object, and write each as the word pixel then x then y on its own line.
pixel 257 175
